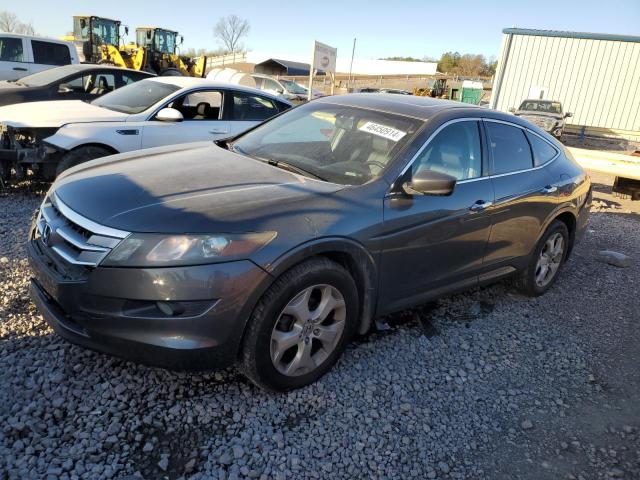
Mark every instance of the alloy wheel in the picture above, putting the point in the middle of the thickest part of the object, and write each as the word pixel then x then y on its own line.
pixel 549 260
pixel 308 330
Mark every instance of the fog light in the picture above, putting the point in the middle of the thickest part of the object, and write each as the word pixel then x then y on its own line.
pixel 170 309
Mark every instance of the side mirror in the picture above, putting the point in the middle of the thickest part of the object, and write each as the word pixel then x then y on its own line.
pixel 568 114
pixel 126 30
pixel 64 88
pixel 279 91
pixel 169 115
pixel 181 39
pixel 429 182
pixel 512 110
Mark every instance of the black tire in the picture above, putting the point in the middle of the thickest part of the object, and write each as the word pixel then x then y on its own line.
pixel 255 359
pixel 526 281
pixel 171 72
pixel 80 155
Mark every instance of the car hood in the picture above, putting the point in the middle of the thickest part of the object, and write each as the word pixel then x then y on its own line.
pixel 56 114
pixel 190 188
pixel 6 86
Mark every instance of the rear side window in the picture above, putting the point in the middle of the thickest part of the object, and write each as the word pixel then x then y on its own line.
pixel 509 147
pixel 455 151
pixel 47 53
pixel 11 49
pixel 542 150
pixel 247 107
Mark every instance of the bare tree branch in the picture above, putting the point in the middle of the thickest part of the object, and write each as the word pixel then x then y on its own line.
pixel 10 23
pixel 230 30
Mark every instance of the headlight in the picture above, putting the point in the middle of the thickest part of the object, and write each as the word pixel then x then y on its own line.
pixel 549 124
pixel 156 250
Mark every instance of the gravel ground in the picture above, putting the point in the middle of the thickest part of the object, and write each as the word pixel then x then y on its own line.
pixel 487 384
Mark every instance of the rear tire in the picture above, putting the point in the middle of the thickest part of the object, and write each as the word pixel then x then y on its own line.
pixel 546 261
pixel 267 356
pixel 81 155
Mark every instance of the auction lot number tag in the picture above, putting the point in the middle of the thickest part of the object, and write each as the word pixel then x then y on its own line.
pixel 382 131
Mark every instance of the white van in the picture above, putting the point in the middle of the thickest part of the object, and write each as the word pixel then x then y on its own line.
pixel 22 55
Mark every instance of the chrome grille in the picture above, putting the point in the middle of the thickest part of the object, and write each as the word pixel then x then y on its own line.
pixel 71 236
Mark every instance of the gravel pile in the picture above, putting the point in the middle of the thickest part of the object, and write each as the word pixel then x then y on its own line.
pixel 487 384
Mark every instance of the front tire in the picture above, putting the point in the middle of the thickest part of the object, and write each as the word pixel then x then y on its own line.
pixel 300 326
pixel 80 155
pixel 546 261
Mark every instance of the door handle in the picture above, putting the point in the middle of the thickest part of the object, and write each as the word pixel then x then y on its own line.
pixel 218 130
pixel 549 189
pixel 480 206
pixel 20 69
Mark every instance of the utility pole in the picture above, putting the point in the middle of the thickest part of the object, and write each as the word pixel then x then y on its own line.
pixel 311 68
pixel 353 52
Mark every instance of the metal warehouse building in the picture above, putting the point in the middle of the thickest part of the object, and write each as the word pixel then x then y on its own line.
pixel 596 77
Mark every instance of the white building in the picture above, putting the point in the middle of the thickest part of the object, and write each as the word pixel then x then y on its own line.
pixel 360 66
pixel 595 76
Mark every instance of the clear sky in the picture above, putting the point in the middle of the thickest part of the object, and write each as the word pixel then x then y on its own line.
pixel 391 28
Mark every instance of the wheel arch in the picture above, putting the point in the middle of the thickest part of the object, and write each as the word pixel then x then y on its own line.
pixel 111 149
pixel 353 256
pixel 568 216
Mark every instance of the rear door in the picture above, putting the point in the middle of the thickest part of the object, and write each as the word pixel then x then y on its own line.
pixel 14 58
pixel 48 55
pixel 526 194
pixel 433 244
pixel 203 112
pixel 244 110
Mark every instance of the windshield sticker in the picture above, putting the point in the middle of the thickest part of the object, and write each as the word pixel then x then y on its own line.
pixel 382 131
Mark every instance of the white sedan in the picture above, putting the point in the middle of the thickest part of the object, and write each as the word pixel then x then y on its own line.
pixel 49 137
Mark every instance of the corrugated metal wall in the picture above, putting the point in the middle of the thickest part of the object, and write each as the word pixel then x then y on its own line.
pixel 597 80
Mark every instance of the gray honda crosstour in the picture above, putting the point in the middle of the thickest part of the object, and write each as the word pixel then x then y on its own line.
pixel 272 249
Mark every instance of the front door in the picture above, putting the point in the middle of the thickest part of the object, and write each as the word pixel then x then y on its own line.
pixel 202 112
pixel 432 244
pixel 14 63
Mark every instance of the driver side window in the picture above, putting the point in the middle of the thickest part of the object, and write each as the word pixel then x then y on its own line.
pixel 455 150
pixel 203 105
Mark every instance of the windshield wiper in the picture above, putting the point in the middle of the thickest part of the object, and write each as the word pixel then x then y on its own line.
pixel 274 163
pixel 290 167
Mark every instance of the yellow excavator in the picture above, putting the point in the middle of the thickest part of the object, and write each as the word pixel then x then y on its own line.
pixel 99 40
pixel 160 53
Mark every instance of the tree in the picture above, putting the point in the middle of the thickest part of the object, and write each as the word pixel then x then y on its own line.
pixel 10 23
pixel 470 65
pixel 229 31
pixel 402 59
pixel 448 62
pixel 467 65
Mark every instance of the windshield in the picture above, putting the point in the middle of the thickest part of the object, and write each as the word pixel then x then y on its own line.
pixel 541 106
pixel 105 32
pixel 137 97
pixel 165 41
pixel 46 77
pixel 293 87
pixel 344 145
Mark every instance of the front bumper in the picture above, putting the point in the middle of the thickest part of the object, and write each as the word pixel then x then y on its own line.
pixel 115 310
pixel 24 155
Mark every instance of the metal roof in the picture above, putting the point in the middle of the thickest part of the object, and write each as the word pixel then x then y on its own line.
pixel 560 33
pixel 293 68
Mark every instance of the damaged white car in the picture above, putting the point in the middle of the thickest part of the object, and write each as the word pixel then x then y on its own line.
pixel 46 138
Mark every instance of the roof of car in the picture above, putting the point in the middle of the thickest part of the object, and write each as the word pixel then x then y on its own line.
pixel 408 105
pixel 190 82
pixel 78 67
